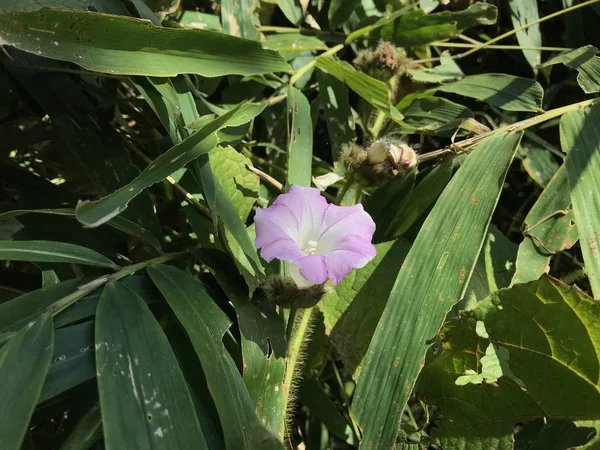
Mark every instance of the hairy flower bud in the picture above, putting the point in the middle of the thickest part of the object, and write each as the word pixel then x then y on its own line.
pixel 284 292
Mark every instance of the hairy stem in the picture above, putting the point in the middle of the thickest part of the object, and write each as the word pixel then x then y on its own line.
pixel 299 336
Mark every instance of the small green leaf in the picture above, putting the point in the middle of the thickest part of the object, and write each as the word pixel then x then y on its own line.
pixel 551 221
pixel 580 140
pixel 239 184
pixel 290 44
pixel 24 362
pixel 73 360
pixel 87 431
pixel 585 61
pixel 531 263
pixel 239 18
pixel 333 97
pixel 128 46
pixel 434 115
pixel 50 251
pixel 524 12
pixel 300 139
pixel 292 9
pixel 21 310
pixel 372 90
pixel 539 163
pixel 144 398
pixel 504 91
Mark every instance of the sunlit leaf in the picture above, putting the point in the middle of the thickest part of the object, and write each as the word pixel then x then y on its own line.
pixel 95 42
pixel 443 254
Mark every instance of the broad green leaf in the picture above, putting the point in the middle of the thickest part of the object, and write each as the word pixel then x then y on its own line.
pixel 504 91
pixel 447 70
pixel 144 398
pixel 239 18
pixel 538 162
pixel 523 12
pixel 340 11
pixel 434 115
pixel 579 138
pixel 372 90
pixel 73 360
pixel 239 184
pixel 200 21
pixel 105 6
pixel 21 310
pixel 422 197
pixel 333 97
pixel 128 46
pixel 24 362
pixel 587 64
pixel 494 269
pixel 353 308
pixel 242 245
pixel 433 277
pixel 300 139
pixel 406 29
pixel 86 307
pixel 292 9
pixel 388 198
pixel 262 338
pixel 95 213
pixel 531 263
pixel 206 324
pixel 87 431
pixel 551 221
pixel 542 434
pixel 290 44
pixel 49 251
pixel 551 335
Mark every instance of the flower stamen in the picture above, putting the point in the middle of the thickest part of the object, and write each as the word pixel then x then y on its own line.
pixel 312 248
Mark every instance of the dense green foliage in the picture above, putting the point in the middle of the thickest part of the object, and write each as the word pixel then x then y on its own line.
pixel 139 137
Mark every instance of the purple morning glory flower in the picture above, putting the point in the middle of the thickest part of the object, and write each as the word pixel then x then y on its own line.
pixel 320 240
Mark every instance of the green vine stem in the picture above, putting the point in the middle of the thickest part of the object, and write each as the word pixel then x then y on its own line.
pixel 295 357
pixel 466 145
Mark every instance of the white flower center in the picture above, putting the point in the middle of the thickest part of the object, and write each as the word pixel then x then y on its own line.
pixel 312 247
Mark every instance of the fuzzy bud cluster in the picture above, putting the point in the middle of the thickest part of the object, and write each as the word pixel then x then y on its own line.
pixel 382 160
pixel 383 62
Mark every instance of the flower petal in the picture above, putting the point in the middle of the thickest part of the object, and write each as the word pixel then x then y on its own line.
pixel 274 223
pixel 354 253
pixel 308 206
pixel 313 268
pixel 341 221
pixel 285 249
